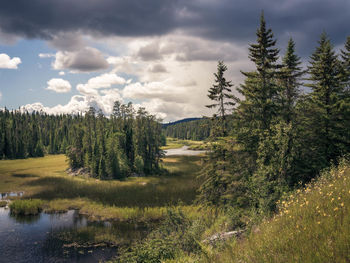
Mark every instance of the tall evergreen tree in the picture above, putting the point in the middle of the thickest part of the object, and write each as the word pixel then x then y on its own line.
pixel 291 74
pixel 220 92
pixel 325 82
pixel 345 56
pixel 260 90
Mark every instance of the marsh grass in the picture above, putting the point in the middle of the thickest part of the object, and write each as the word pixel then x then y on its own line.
pixel 135 199
pixel 313 225
pixel 174 143
pixel 26 207
pixel 116 234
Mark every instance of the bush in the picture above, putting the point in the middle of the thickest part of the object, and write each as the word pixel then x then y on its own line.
pixel 177 234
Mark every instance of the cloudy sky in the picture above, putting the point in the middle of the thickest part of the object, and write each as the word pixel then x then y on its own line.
pixel 62 56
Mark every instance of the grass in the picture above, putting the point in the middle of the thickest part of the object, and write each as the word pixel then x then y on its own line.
pixel 135 199
pixel 313 225
pixel 26 207
pixel 3 203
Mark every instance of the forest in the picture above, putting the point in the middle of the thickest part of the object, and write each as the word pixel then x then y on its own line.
pixel 127 142
pixel 289 123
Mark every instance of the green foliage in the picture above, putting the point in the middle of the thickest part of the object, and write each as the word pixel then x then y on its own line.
pixel 26 207
pixel 139 165
pixel 220 94
pixel 107 147
pixel 196 130
pixel 176 233
pixel 280 138
pixel 312 225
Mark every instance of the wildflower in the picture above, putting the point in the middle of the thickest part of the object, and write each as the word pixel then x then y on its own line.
pixel 335 209
pixel 332 200
pixel 318 222
pixel 342 204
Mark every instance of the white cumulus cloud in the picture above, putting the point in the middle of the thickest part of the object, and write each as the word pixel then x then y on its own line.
pixel 59 85
pixel 9 63
pixel 79 104
pixel 100 82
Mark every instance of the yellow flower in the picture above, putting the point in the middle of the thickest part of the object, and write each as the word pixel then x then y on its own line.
pixel 335 209
pixel 342 204
pixel 318 222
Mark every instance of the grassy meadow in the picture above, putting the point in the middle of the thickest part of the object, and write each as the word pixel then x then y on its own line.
pixel 136 198
pixel 313 225
pixel 174 143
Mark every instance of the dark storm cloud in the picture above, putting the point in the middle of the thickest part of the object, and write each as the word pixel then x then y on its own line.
pixel 220 19
pixel 44 18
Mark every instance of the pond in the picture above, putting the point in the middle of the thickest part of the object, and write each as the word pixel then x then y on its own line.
pixel 183 151
pixel 43 238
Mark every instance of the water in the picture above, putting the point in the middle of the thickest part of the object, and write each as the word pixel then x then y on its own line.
pixel 38 238
pixel 183 151
pixel 10 194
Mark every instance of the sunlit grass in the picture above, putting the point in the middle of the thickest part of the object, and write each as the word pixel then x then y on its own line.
pixel 313 226
pixel 135 199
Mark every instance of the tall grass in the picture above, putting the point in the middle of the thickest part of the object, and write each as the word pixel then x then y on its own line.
pixel 26 207
pixel 143 198
pixel 313 226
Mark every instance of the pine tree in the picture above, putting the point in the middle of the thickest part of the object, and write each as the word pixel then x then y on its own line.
pixel 291 74
pixel 325 81
pixel 220 93
pixel 260 90
pixel 345 56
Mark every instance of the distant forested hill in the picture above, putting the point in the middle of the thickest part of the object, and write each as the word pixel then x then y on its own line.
pixel 188 129
pixel 191 128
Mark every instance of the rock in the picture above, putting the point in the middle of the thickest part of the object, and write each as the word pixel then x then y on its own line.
pixel 223 236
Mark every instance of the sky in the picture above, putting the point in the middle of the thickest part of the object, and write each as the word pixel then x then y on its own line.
pixel 63 56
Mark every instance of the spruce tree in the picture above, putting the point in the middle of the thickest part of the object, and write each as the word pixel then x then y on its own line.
pixel 291 74
pixel 220 94
pixel 325 82
pixel 260 90
pixel 345 56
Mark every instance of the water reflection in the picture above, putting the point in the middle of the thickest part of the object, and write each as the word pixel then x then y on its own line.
pixel 49 237
pixel 10 194
pixel 29 219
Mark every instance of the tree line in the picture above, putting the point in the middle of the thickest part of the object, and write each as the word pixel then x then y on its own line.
pixel 280 136
pixel 196 130
pixel 127 142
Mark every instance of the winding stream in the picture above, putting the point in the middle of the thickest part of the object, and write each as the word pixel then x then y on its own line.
pixel 182 151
